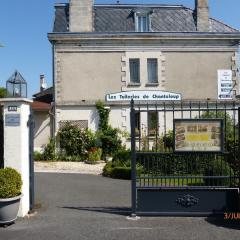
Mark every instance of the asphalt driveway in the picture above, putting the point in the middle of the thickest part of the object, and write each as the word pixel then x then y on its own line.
pixel 75 206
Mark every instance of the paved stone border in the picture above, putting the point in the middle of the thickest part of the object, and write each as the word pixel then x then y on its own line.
pixel 69 167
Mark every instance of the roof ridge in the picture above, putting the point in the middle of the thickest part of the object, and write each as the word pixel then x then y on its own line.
pixel 140 5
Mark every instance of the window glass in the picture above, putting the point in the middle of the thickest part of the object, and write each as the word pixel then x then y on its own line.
pixel 134 65
pixel 137 123
pixel 152 68
pixel 143 23
pixel 152 123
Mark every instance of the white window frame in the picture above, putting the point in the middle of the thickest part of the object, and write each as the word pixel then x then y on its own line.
pixel 138 16
pixel 144 84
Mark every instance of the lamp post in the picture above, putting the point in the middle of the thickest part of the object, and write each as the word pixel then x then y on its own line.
pixel 16 86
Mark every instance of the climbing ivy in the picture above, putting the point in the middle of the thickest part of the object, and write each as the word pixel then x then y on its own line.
pixel 103 115
pixel 108 136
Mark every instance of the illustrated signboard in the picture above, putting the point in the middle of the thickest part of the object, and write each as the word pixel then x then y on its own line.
pixel 225 85
pixel 143 96
pixel 198 135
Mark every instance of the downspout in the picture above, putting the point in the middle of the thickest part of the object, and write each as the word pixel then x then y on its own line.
pixel 53 105
pixel 238 67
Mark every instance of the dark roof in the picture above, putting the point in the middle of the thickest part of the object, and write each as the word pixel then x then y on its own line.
pixel 45 96
pixel 120 18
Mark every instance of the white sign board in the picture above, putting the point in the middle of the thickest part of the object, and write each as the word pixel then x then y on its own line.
pixel 143 96
pixel 225 85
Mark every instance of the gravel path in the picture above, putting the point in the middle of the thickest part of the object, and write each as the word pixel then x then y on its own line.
pixel 69 167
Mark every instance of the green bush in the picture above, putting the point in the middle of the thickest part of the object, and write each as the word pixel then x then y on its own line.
pixel 10 183
pixel 94 154
pixel 49 153
pixel 109 141
pixel 114 171
pixel 63 157
pixel 122 155
pixel 37 156
pixel 75 141
pixel 107 170
pixel 120 170
pixel 121 173
pixel 108 137
pixel 218 168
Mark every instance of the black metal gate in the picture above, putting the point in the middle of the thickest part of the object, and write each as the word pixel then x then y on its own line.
pixel 168 182
pixel 31 124
pixel 1 139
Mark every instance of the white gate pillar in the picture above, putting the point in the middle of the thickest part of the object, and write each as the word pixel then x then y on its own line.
pixel 16 144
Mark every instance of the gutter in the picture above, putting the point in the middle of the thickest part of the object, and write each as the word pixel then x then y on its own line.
pixel 143 36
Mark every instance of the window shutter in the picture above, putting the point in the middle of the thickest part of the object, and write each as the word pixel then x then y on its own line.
pixel 134 70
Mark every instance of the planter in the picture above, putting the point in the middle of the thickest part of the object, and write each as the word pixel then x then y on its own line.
pixel 9 209
pixel 109 158
pixel 93 162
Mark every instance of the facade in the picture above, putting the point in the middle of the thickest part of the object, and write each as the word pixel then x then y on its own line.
pixel 103 49
pixel 42 114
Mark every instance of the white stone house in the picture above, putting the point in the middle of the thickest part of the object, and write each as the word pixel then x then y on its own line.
pixel 102 49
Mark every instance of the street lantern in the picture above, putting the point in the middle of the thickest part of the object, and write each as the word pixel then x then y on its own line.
pixel 16 86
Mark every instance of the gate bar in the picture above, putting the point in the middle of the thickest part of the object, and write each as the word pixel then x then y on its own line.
pixel 133 161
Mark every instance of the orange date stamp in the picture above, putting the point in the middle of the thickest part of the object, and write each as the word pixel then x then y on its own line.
pixel 232 216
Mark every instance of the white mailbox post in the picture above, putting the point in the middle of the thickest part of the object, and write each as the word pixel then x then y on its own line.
pixel 16 143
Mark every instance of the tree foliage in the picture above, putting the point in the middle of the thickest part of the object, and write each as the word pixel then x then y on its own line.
pixel 3 92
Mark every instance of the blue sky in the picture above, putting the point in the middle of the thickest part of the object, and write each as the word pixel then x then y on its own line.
pixel 24 26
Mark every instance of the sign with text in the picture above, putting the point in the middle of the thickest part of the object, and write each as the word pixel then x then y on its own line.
pixel 198 135
pixel 143 96
pixel 12 120
pixel 225 85
pixel 12 108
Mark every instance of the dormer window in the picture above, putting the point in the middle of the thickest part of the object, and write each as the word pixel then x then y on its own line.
pixel 142 21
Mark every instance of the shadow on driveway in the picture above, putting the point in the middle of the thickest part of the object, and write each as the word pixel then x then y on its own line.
pixel 221 222
pixel 124 211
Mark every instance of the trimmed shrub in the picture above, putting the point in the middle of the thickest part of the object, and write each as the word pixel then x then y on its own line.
pixel 120 170
pixel 121 173
pixel 10 183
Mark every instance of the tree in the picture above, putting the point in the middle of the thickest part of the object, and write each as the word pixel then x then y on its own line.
pixel 3 92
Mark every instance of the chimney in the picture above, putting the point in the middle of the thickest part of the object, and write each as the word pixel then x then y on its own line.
pixel 81 15
pixel 43 84
pixel 202 15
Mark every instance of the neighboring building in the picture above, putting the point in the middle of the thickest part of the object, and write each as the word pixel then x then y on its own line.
pixel 42 113
pixel 102 49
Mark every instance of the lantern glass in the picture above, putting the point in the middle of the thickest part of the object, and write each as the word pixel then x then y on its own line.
pixel 16 86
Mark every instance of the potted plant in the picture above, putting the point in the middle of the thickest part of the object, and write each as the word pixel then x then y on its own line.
pixel 10 195
pixel 94 155
pixel 109 157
